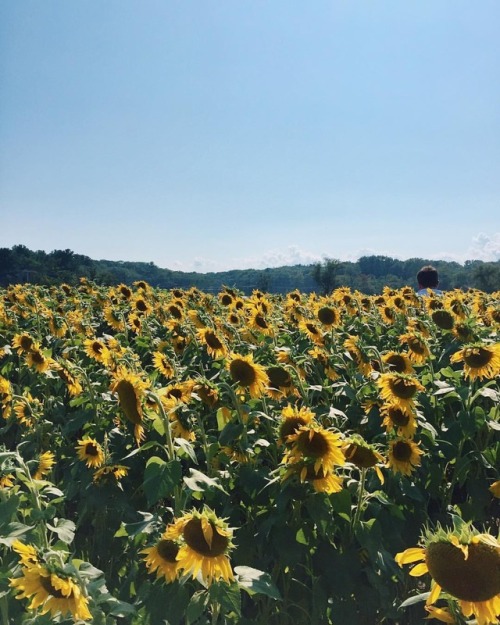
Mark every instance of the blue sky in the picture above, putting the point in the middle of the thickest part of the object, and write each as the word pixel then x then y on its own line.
pixel 213 135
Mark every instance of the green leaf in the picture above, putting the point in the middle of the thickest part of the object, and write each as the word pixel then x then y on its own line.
pixel 254 582
pixel 64 528
pixel 13 531
pixel 416 599
pixel 160 478
pixel 196 606
pixel 200 482
pixel 228 596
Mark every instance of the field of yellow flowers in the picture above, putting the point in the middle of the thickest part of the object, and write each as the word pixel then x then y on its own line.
pixel 181 458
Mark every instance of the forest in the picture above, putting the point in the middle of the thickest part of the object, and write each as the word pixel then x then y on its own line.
pixel 369 274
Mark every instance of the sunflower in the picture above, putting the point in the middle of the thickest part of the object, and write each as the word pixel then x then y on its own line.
pixel 72 384
pixel 114 318
pixel 247 374
pixel 38 361
pixel 404 456
pixel 52 592
pixel 363 455
pixel 5 396
pixel 280 382
pixel 292 420
pixel 400 418
pixel 26 409
pixel 181 426
pixel 27 553
pixel 417 345
pixel 130 389
pixel 310 329
pixel 358 355
pixel 46 461
pixel 206 542
pixel 257 321
pixel 399 363
pixel 399 389
pixel 97 350
pixel 6 481
pixel 322 480
pixel 90 452
pixel 162 558
pixel 213 343
pixel 465 565
pixel 495 489
pixel 207 392
pixel 480 361
pixel 162 364
pixel 328 316
pixel 110 471
pixel 444 319
pixel 24 343
pixel 318 446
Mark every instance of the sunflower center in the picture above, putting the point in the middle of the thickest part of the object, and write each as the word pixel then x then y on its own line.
pixel 91 449
pixel 261 322
pixel 477 357
pixel 175 312
pixel 315 445
pixel 49 587
pixel 404 389
pixel 194 537
pixel 401 451
pixel 141 305
pixel 213 341
pixel 176 393
pixel 97 347
pixel 242 372
pixel 312 329
pixel 416 345
pixel 396 363
pixel 278 377
pixel 26 342
pixel 474 579
pixel 291 426
pixel 398 417
pixel 167 550
pixel 226 300
pixel 327 315
pixel 361 456
pixel 443 319
pixel 38 358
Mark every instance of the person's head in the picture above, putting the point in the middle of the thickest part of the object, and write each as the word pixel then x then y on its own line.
pixel 427 277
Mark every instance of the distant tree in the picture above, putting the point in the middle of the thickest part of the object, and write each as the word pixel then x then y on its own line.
pixel 487 277
pixel 325 274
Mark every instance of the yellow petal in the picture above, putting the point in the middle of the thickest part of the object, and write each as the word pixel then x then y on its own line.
pixel 435 592
pixel 420 569
pixel 413 554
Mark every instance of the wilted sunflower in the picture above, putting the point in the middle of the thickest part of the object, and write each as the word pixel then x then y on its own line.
pixel 162 558
pixel 480 361
pixel 206 542
pixel 46 461
pixel 292 420
pixel 53 592
pixel 90 452
pixel 213 343
pixel 399 389
pixel 130 389
pixel 399 418
pixel 462 563
pixel 404 456
pixel 247 374
pixel 417 345
pixel 312 442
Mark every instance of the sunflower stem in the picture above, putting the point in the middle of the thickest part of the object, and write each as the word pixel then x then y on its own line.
pixel 166 427
pixel 361 496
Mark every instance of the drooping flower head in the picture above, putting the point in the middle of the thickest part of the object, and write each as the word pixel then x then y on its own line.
pixel 480 361
pixel 162 558
pixel 464 564
pixel 205 543
pixel 130 389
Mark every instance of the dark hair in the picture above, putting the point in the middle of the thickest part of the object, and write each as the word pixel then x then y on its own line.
pixel 427 277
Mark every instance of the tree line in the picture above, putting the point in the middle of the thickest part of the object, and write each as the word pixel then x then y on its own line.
pixel 369 274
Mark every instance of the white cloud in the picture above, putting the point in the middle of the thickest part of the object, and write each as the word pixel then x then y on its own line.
pixel 485 247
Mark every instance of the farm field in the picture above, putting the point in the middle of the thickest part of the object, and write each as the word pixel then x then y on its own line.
pixel 184 458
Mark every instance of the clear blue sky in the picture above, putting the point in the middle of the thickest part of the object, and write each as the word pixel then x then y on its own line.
pixel 223 134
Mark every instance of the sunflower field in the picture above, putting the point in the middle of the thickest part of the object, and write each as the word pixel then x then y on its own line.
pixel 173 457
